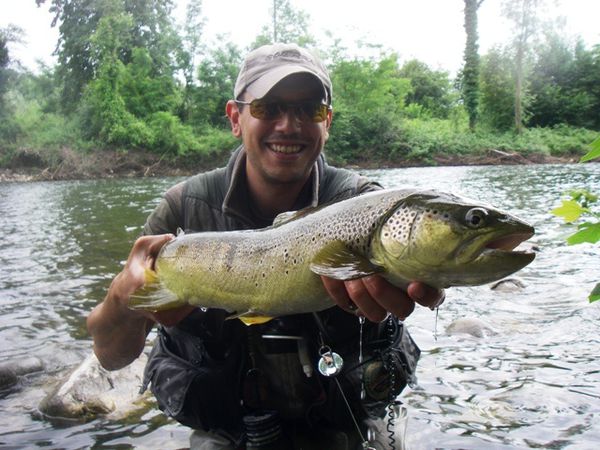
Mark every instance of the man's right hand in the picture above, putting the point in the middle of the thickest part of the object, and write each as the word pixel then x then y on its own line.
pixel 119 333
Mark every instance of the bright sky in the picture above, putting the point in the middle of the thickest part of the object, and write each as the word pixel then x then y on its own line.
pixel 429 30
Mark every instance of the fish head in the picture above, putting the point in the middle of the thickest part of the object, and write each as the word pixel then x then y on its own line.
pixel 445 240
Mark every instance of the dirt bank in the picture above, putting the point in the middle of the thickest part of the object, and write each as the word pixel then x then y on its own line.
pixel 70 165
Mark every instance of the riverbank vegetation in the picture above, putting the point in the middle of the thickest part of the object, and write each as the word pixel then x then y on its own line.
pixel 134 92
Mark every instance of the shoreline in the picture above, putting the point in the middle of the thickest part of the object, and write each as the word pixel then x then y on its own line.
pixel 136 164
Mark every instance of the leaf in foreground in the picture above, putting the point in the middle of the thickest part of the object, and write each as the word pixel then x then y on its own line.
pixel 570 210
pixel 588 232
pixel 595 294
pixel 593 153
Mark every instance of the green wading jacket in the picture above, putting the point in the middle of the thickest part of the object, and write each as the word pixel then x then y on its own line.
pixel 208 372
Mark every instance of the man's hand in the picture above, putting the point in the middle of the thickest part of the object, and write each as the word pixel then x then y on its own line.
pixel 141 258
pixel 119 333
pixel 374 297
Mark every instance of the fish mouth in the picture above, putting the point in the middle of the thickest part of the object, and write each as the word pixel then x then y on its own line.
pixel 507 243
pixel 506 249
pixel 492 258
pixel 496 243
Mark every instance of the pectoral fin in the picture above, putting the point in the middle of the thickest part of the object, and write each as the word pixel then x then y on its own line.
pixel 153 296
pixel 337 261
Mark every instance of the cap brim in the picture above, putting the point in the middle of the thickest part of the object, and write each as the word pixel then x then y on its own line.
pixel 262 86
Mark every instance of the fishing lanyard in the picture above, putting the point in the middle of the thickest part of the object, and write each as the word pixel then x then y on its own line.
pixel 330 365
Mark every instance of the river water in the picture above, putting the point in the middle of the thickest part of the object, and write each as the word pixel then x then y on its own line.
pixel 535 383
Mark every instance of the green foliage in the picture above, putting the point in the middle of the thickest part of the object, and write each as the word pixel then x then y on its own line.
pixel 170 135
pixel 191 48
pixel 523 15
pixel 9 129
pixel 357 137
pixel 562 84
pixel 144 92
pixel 595 294
pixel 497 90
pixel 570 210
pixel 583 205
pixel 431 92
pixel 214 140
pixel 126 79
pixel 216 77
pixel 150 28
pixel 367 86
pixel 593 153
pixel 368 101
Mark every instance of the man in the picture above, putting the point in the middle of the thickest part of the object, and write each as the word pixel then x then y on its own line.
pixel 219 376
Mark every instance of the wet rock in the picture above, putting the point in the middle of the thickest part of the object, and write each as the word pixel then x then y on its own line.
pixel 471 326
pixel 91 391
pixel 508 285
pixel 12 371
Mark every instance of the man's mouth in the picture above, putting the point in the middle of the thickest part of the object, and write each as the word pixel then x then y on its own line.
pixel 287 149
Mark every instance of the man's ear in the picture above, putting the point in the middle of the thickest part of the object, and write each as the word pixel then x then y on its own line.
pixel 233 114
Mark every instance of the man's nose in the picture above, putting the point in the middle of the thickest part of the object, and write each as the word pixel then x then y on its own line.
pixel 289 120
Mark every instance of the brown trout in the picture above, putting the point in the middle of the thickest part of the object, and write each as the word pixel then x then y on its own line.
pixel 404 235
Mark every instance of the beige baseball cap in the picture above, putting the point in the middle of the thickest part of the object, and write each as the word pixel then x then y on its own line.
pixel 266 66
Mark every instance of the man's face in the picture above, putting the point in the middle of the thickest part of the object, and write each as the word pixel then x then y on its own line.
pixel 282 150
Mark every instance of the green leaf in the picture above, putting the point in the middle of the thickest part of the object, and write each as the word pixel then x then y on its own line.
pixel 583 196
pixel 595 294
pixel 593 153
pixel 570 210
pixel 588 232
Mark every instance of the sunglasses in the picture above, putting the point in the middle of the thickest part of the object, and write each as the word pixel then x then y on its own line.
pixel 315 111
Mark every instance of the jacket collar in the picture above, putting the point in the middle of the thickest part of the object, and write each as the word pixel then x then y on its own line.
pixel 237 201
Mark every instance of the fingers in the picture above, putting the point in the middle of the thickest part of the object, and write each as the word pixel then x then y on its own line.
pixel 374 297
pixel 391 298
pixel 426 295
pixel 371 297
pixel 144 252
pixel 359 294
pixel 142 256
pixel 157 242
pixel 337 291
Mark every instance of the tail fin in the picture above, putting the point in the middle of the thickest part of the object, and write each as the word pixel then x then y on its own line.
pixel 153 296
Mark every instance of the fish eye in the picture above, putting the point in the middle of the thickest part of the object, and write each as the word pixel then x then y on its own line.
pixel 475 217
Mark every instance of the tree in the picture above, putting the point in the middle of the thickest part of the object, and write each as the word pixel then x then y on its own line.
pixel 191 49
pixel 557 84
pixel 586 70
pixel 523 15
pixel 470 71
pixel 497 89
pixel 131 105
pixel 288 25
pixel 151 28
pixel 216 77
pixel 368 101
pixel 431 89
pixel 108 116
pixel 8 128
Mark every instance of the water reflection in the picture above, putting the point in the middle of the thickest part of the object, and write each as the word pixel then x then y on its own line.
pixel 536 383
